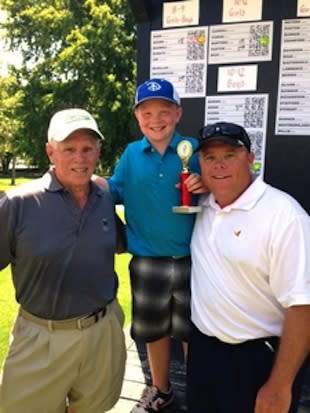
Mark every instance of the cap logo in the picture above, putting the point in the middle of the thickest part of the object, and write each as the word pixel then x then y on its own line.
pixel 153 86
pixel 74 118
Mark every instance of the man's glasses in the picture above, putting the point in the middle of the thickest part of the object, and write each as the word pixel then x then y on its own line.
pixel 230 130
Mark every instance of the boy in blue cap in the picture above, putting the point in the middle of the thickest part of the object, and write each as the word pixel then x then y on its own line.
pixel 145 181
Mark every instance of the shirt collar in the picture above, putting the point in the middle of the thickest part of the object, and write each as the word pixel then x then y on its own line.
pixel 246 200
pixel 52 184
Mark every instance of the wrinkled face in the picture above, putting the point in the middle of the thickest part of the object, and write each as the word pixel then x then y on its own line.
pixel 225 170
pixel 157 119
pixel 75 158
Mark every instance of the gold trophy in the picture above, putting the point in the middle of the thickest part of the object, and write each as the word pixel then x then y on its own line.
pixel 185 151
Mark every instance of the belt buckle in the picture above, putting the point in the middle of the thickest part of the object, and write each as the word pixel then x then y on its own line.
pixel 91 319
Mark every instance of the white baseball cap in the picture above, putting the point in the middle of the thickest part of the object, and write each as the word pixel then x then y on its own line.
pixel 66 121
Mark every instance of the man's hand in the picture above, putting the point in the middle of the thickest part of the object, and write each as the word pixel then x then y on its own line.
pixel 273 399
pixel 275 396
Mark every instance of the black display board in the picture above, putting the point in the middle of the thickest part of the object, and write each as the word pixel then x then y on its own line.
pixel 286 156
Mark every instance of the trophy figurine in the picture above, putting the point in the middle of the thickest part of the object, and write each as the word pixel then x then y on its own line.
pixel 185 151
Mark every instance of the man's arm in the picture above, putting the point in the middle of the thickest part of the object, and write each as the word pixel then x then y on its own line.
pixel 275 395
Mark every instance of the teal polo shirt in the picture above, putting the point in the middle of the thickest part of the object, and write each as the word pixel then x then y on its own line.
pixel 144 182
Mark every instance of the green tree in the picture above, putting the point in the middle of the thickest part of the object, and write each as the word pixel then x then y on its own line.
pixel 78 53
pixel 9 100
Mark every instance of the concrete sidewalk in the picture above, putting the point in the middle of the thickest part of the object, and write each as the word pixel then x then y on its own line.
pixel 137 375
pixel 134 379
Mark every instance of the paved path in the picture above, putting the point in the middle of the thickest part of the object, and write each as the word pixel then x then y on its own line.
pixel 137 374
pixel 134 380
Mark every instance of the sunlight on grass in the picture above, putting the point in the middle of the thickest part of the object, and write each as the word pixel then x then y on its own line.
pixel 8 307
pixel 124 295
pixel 5 183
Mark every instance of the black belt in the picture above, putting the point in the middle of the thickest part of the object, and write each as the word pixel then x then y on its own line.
pixel 70 324
pixel 168 257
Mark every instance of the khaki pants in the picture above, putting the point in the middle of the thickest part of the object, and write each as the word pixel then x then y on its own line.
pixel 46 369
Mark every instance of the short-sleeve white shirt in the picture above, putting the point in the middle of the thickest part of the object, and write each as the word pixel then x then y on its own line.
pixel 250 261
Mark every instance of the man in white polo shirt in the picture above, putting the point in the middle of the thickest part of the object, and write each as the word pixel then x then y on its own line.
pixel 250 286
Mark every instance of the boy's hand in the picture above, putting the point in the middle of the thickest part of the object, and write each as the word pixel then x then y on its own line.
pixel 194 184
pixel 100 181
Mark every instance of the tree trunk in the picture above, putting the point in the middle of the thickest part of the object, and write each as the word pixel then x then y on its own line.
pixel 13 174
pixel 5 161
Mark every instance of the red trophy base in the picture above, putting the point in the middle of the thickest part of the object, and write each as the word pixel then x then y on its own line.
pixel 186 198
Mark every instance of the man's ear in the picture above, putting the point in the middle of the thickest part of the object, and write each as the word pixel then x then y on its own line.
pixel 251 157
pixel 49 151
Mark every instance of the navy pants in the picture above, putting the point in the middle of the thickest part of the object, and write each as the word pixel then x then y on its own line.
pixel 225 378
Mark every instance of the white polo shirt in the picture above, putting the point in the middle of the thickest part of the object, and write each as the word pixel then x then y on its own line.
pixel 250 261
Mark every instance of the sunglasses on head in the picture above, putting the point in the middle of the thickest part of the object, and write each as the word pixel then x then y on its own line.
pixel 225 129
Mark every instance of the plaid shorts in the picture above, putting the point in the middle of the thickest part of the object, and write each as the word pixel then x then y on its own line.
pixel 160 297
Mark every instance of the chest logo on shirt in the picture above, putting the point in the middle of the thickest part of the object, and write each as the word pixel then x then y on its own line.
pixel 105 225
pixel 237 233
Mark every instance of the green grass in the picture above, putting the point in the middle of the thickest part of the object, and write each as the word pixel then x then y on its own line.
pixel 9 306
pixel 124 295
pixel 5 182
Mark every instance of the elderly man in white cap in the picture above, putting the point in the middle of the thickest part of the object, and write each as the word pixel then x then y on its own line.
pixel 58 233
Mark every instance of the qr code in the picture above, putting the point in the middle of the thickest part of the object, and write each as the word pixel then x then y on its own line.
pixel 194 78
pixel 195 45
pixel 259 40
pixel 254 112
pixel 256 138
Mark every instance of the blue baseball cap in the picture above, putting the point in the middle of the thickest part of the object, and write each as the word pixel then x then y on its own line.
pixel 157 89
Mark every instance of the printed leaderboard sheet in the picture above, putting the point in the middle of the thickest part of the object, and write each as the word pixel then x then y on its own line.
pixel 180 56
pixel 293 108
pixel 245 42
pixel 249 111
